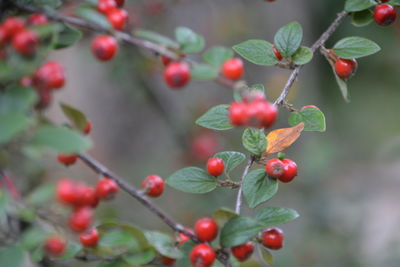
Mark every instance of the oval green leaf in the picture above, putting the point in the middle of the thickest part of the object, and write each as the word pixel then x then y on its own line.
pixel 358 5
pixel 239 230
pixel 217 55
pixel 314 119
pixel 12 124
pixel 215 118
pixel 254 141
pixel 258 187
pixel 302 56
pixel 271 216
pixel 192 180
pixel 231 159
pixel 355 47
pixel 189 41
pixel 288 39
pixel 259 52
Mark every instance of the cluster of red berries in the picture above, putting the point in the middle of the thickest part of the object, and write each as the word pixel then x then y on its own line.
pixel 117 16
pixel 384 14
pixel 282 169
pixel 14 30
pixel 254 111
pixel 344 68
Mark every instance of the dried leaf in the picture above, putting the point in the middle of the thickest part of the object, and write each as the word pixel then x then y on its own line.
pixel 281 139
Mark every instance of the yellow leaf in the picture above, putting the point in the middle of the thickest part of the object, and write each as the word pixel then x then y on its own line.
pixel 280 139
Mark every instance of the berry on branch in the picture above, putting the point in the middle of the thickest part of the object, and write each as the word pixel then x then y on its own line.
pixel 206 229
pixel 215 166
pixel 153 185
pixel 202 255
pixel 272 238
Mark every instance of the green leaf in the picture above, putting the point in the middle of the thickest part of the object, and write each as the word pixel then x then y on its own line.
pixel 61 139
pixel 12 124
pixel 264 255
pixel 215 118
pixel 76 117
pixel 203 72
pixel 189 41
pixel 259 52
pixel 239 230
pixel 192 180
pixel 71 251
pixel 37 254
pixel 217 55
pixel 358 5
pixel 119 240
pixel 355 47
pixel 185 260
pixel 67 37
pixel 12 256
pixel 17 99
pixel 258 187
pixel 362 18
pixel 231 159
pixel 342 84
pixel 140 258
pixel 254 141
pixel 314 119
pixel 41 195
pixel 32 238
pixel 156 38
pixel 271 216
pixel 46 3
pixel 302 56
pixel 394 2
pixel 164 244
pixel 93 16
pixel 288 39
pixel 222 215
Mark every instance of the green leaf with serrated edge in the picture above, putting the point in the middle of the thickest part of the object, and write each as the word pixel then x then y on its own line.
pixel 71 250
pixel 192 180
pixel 189 41
pixel 33 237
pixel 288 39
pixel 217 55
pixel 12 124
pixel 259 52
pixel 156 38
pixel 203 72
pixel 164 244
pixel 76 117
pixel 67 37
pixel 314 119
pixel 41 195
pixel 264 255
pixel 12 256
pixel 17 99
pixel 254 141
pixel 231 159
pixel 302 56
pixel 258 187
pixel 362 18
pixel 215 118
pixel 185 260
pixel 239 230
pixel 140 258
pixel 93 16
pixel 271 216
pixel 358 5
pixel 60 139
pixel 222 215
pixel 355 47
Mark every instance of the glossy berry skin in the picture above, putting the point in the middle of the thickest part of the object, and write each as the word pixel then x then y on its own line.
pixel 55 245
pixel 166 261
pixel 105 6
pixel 309 106
pixel 13 25
pixel 277 53
pixel 153 185
pixel 177 74
pixel 215 166
pixel 243 252
pixel 117 18
pixel 25 42
pixel 49 76
pixel 88 128
pixel 345 68
pixel 233 69
pixel 104 47
pixel 206 229
pixel 89 238
pixel 106 189
pixel 384 14
pixel 289 171
pixel 89 197
pixel 66 192
pixel 37 20
pixel 272 238
pixel 67 159
pixel 80 219
pixel 238 113
pixel 262 114
pixel 274 168
pixel 202 255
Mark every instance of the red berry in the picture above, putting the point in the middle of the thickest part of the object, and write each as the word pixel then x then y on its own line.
pixel 345 68
pixel 89 238
pixel 309 106
pixel 204 145
pixel 182 238
pixel 215 166
pixel 89 197
pixel 233 69
pixel 4 35
pixel 37 20
pixel 202 255
pixel 105 6
pixel 55 245
pixel 88 127
pixel 272 238
pixel 13 25
pixel 289 171
pixel 238 113
pixel 277 53
pixel 165 60
pixel 243 252
pixel 167 261
pixel 384 14
pixel 66 191
pixel 25 42
pixel 106 189
pixel 153 185
pixel 49 76
pixel 261 114
pixel 206 229
pixel 177 74
pixel 117 18
pixel 67 159
pixel 80 219
pixel 120 3
pixel 274 168
pixel 104 47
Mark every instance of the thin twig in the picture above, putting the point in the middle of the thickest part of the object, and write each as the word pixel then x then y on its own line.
pixel 239 194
